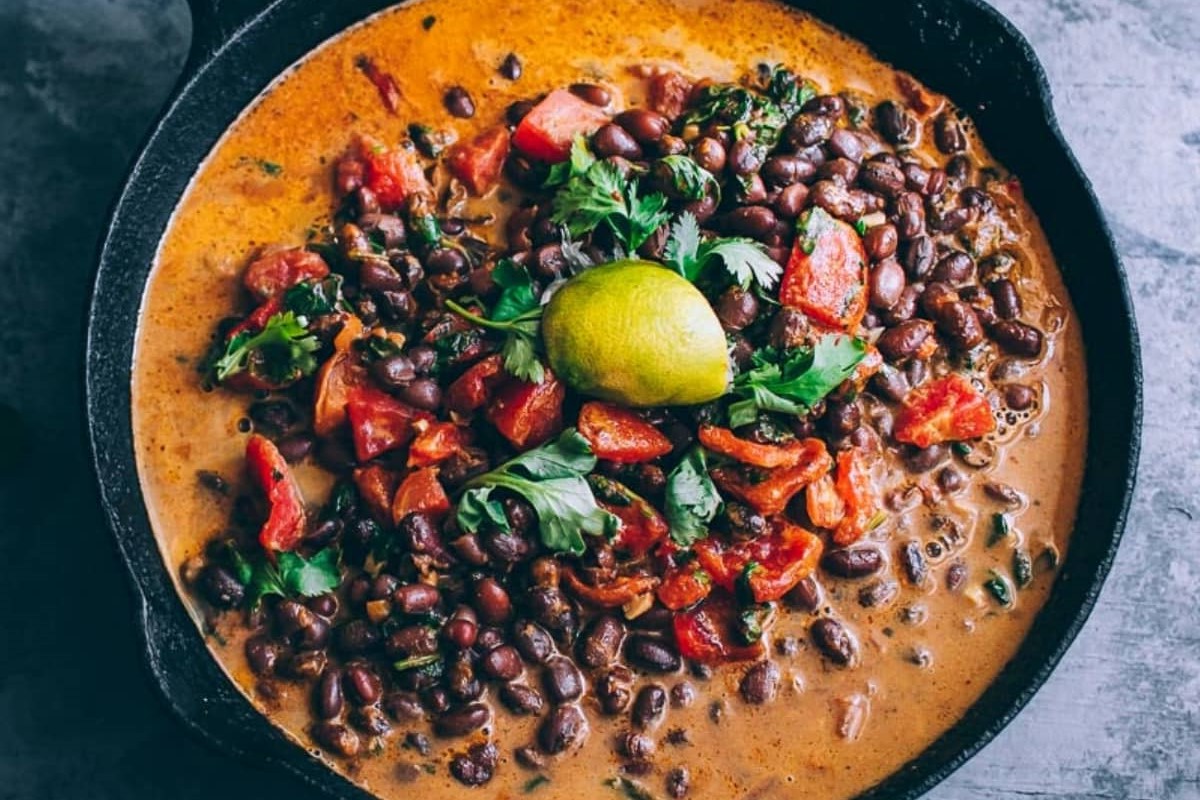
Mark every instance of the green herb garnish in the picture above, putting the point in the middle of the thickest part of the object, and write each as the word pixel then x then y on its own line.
pixel 310 299
pixel 794 381
pixel 521 342
pixel 534 782
pixel 551 478
pixel 689 178
pixel 998 587
pixel 1000 529
pixel 692 499
pixel 745 260
pixel 291 575
pixel 416 662
pixel 282 352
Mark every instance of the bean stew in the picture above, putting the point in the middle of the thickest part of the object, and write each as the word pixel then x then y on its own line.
pixel 697 413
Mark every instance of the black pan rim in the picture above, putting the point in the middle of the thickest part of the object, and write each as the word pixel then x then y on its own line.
pixel 172 639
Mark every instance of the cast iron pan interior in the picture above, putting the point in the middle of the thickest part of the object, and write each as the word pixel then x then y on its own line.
pixel 960 47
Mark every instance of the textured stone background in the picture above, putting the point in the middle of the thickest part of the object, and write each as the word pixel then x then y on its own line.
pixel 79 82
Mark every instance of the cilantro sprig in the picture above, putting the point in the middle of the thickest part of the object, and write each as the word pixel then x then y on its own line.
pixel 745 260
pixel 692 499
pixel 689 179
pixel 518 315
pixel 551 478
pixel 794 381
pixel 291 575
pixel 591 193
pixel 282 352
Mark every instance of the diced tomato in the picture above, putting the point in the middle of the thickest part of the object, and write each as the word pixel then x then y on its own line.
pixel 273 273
pixel 376 486
pixel 770 565
pixel 285 523
pixel 435 442
pixel 340 375
pixel 612 594
pixel 727 443
pixel 548 129
pixel 870 364
pixel 826 276
pixel 472 390
pixel 705 633
pixel 257 319
pixel 528 414
pixel 420 492
pixel 642 526
pixel 379 422
pixel 857 493
pixel 389 92
pixel 826 509
pixel 392 174
pixel 618 434
pixel 949 409
pixel 478 163
pixel 668 93
pixel 771 495
pixel 684 586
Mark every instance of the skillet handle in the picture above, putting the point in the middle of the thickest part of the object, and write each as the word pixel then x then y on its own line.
pixel 214 23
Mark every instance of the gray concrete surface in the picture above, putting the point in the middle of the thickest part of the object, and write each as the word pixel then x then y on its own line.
pixel 79 81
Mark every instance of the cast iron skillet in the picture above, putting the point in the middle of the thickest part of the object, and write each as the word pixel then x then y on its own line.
pixel 960 47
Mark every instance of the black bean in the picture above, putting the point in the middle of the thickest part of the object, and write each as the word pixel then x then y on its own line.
pixel 522 700
pixel 834 641
pixel 760 684
pixel 502 663
pixel 364 684
pixel 702 209
pixel 848 205
pixel 670 145
pixel 787 170
pixel 890 383
pixel 807 129
pixel 413 640
pixel 896 124
pixel 416 598
pixel 919 257
pixel 551 609
pixel 328 700
pixel 462 720
pixel 459 103
pixel 1019 397
pixel 951 481
pixel 910 215
pixel 805 595
pixel 295 448
pixel 841 171
pixel 563 729
pixel 683 694
pixel 424 358
pixel 652 653
pixel 846 144
pixel 273 417
pixel 1007 300
pixel 881 242
pixel 423 393
pixel 925 459
pixel 510 68
pixel 220 587
pixel 878 593
pixel 591 93
pixel 655 618
pixel 506 547
pixel 304 666
pixel 337 738
pixel 602 642
pixel 790 201
pixel 913 562
pixel 916 176
pixel 613 140
pixel 905 340
pixel 882 178
pixel 304 629
pixel 533 641
pixel 955 267
pixel 948 133
pixel 710 154
pixel 646 126
pixel 1017 338
pixel 562 679
pixel 974 197
pixel 382 586
pixel 492 601
pixel 886 282
pixel 830 105
pixel 404 706
pixel 477 766
pixel 856 562
pixel 842 416
pixel 614 689
pixel 753 221
pixel 357 636
pixel 951 221
pixel 956 576
pixel 262 655
pixel 370 720
pixel 678 781
pixel 744 158
pixel 637 746
pixel 649 706
pixel 529 757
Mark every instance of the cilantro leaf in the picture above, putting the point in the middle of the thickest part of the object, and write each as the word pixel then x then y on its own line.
pixel 310 299
pixel 692 499
pixel 520 350
pixel 793 381
pixel 788 91
pixel 312 577
pixel 745 259
pixel 516 297
pixel 579 162
pixel 689 178
pixel 682 250
pixel 551 478
pixel 282 352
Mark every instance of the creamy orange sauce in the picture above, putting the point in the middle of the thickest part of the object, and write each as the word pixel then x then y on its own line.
pixel 833 732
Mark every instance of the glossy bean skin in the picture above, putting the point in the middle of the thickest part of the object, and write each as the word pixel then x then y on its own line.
pixel 652 654
pixel 856 562
pixel 329 701
pixel 1017 338
pixel 533 641
pixel 913 561
pixel 614 689
pixel 805 595
pixel 522 700
pixel 502 662
pixel 760 683
pixel 1007 300
pixel 600 646
pixel 492 601
pixel 462 720
pixel 834 641
pixel 562 730
pixel 649 706
pixel 886 283
pixel 562 679
pixel 904 341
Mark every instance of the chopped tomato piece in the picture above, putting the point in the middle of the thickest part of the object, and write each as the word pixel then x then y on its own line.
pixel 770 565
pixel 548 129
pixel 612 594
pixel 274 272
pixel 949 409
pixel 420 492
pixel 285 523
pixel 472 390
pixel 771 495
pixel 826 276
pixel 338 377
pixel 684 586
pixel 618 434
pixel 826 509
pixel 379 422
pixel 392 174
pixel 528 414
pixel 642 526
pixel 705 633
pixel 668 93
pixel 727 443
pixel 435 442
pixel 478 163
pixel 376 486
pixel 257 319
pixel 250 379
pixel 870 364
pixel 856 491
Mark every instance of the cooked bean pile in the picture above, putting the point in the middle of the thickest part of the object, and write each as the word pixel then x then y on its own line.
pixel 405 620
